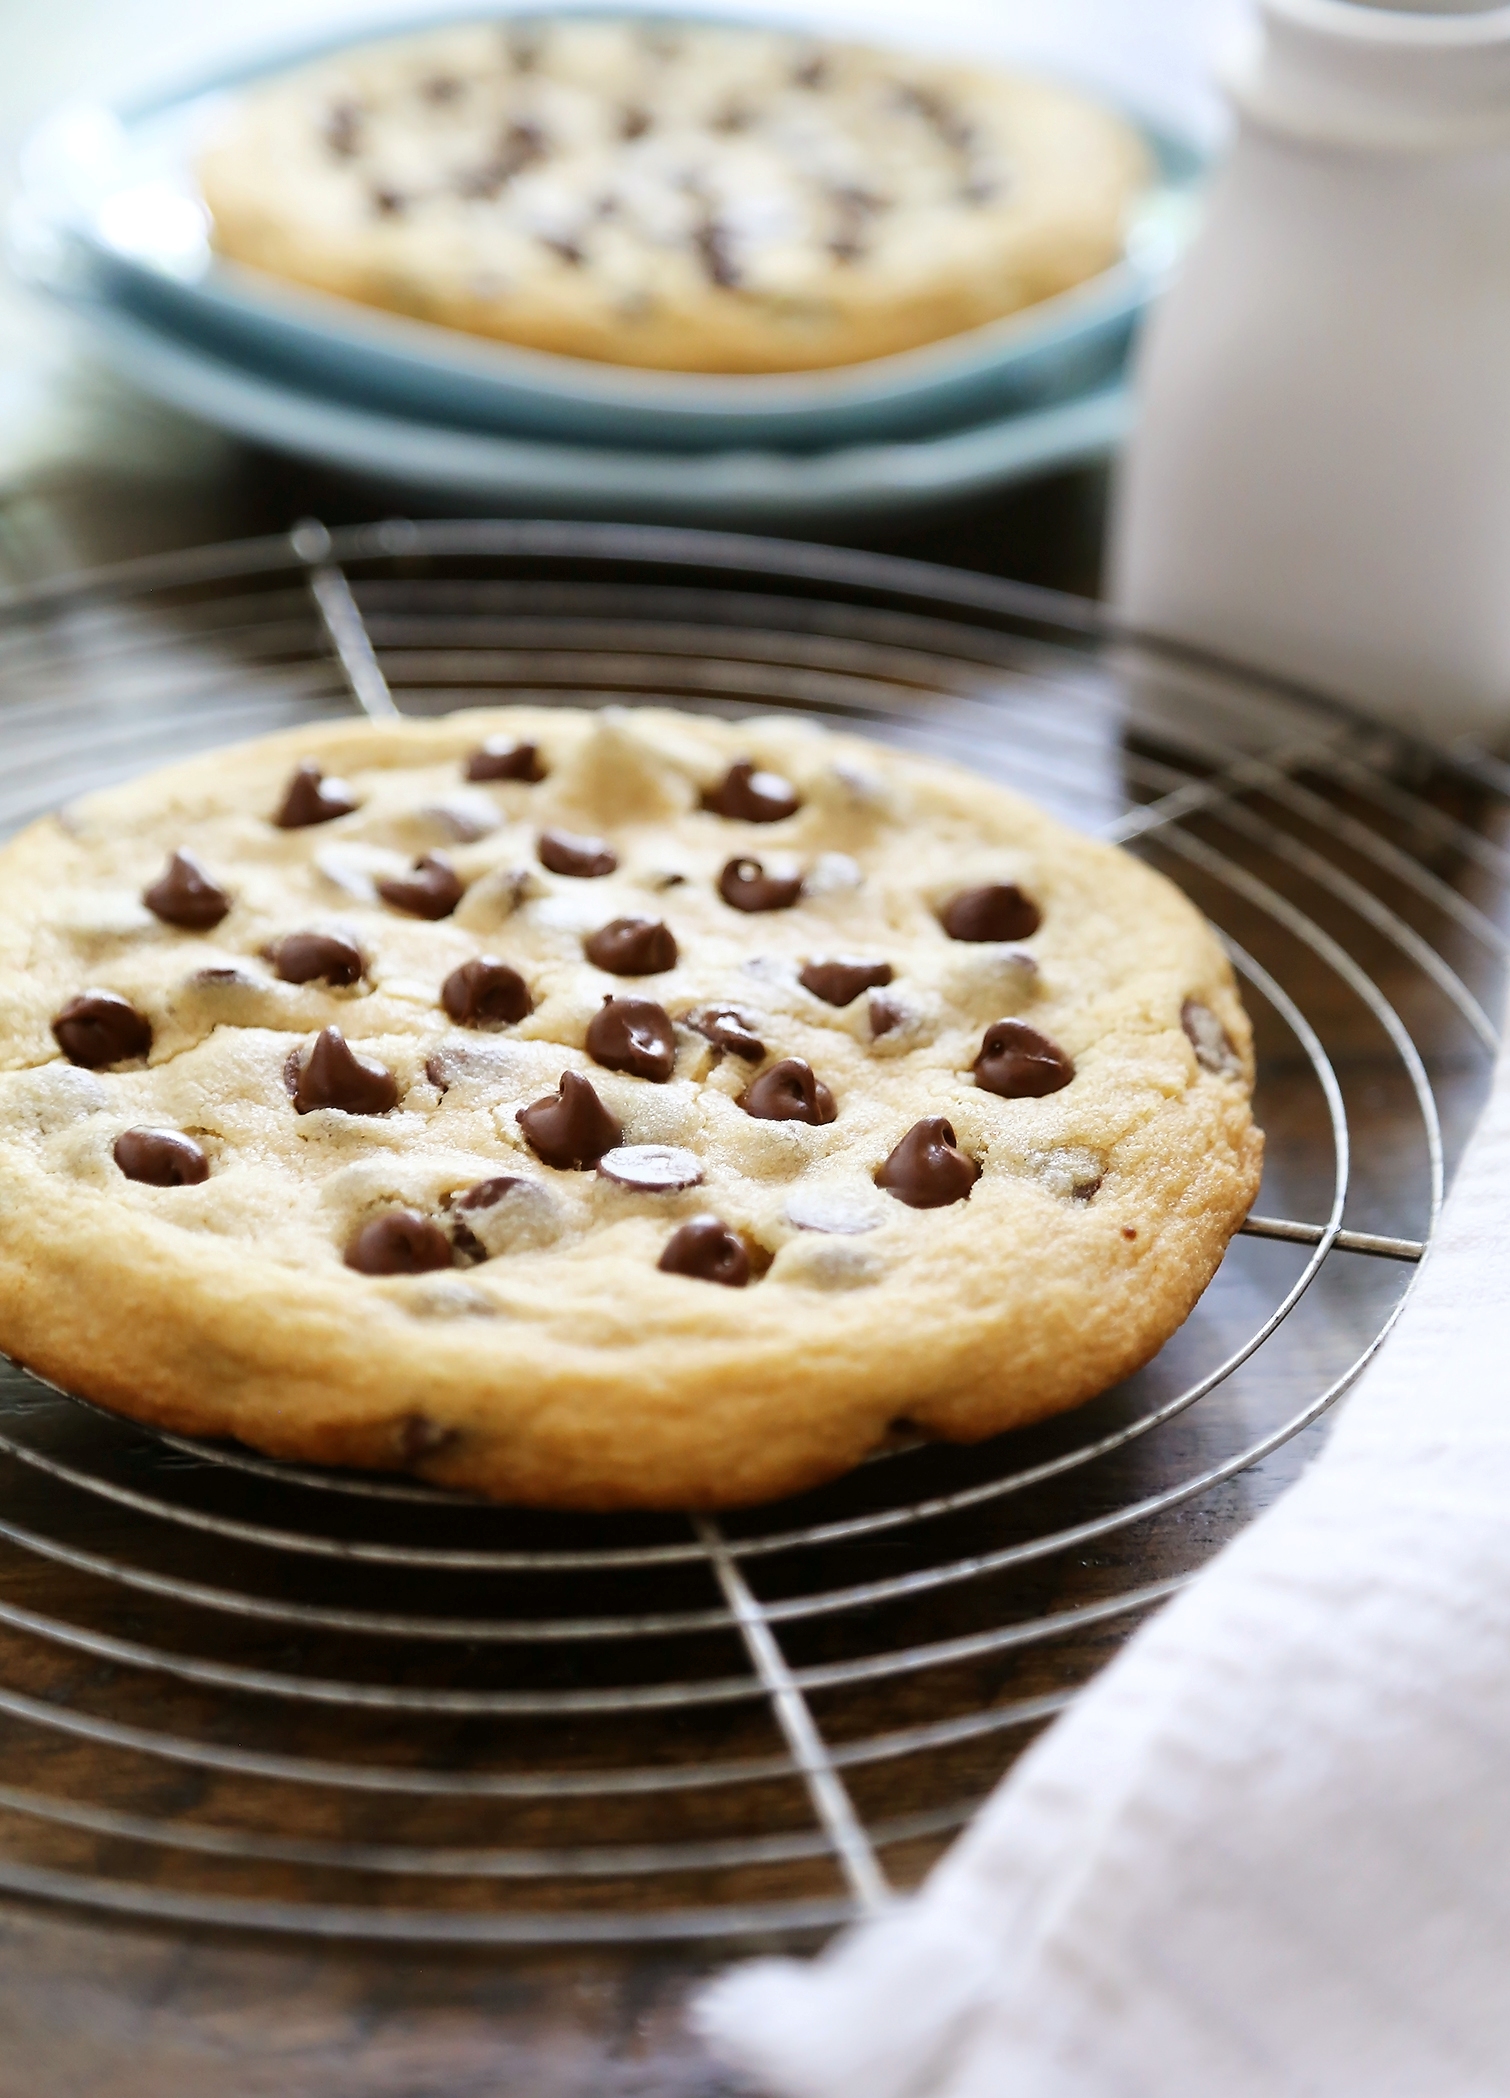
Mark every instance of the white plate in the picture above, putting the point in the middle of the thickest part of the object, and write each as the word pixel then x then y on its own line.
pixel 478 470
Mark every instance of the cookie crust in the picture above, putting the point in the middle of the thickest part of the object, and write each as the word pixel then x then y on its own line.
pixel 702 198
pixel 564 1367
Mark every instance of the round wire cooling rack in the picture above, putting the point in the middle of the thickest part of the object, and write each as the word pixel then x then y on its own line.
pixel 236 1692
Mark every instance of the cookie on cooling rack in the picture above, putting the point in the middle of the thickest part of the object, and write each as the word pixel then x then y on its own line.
pixel 601 1110
pixel 687 196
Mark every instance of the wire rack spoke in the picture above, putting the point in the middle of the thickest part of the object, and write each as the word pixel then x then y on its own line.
pixel 411 1717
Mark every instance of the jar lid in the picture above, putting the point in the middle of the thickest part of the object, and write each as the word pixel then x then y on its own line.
pixel 1431 77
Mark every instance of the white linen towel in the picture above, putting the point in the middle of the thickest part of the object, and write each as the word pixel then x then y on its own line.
pixel 1267 1853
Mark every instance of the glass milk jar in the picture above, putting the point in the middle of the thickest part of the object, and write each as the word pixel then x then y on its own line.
pixel 1320 478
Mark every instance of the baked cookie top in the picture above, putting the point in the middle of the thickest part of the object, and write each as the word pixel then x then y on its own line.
pixel 601 1108
pixel 685 196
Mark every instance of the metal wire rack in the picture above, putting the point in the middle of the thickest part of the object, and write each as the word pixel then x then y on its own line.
pixel 241 1693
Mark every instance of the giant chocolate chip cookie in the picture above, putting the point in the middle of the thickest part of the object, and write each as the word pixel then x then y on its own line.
pixel 696 197
pixel 601 1109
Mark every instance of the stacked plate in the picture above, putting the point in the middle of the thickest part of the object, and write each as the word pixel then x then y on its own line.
pixel 110 222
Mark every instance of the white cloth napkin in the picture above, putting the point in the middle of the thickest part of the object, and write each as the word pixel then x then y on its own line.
pixel 1267 1853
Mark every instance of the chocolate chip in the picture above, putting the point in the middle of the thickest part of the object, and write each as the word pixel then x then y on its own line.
pixel 487 1194
pixel 586 858
pixel 632 947
pixel 750 796
pixel 1019 1063
pixel 745 886
pixel 486 993
pixel 633 1035
pixel 99 1028
pixel 342 129
pixel 812 73
pixel 711 240
pixel 571 1128
pixel 726 1027
pixel 332 1075
pixel 997 912
pixel 401 1242
pixel 160 1158
pixel 186 894
pixel 520 146
pixel 789 1092
pixel 318 957
pixel 388 203
pixel 634 123
pixel 886 1015
pixel 651 1169
pixel 707 1251
pixel 417 1436
pixel 501 758
pixel 941 114
pixel 1210 1040
pixel 840 983
pixel 926 1170
pixel 442 88
pixel 432 890
pixel 312 798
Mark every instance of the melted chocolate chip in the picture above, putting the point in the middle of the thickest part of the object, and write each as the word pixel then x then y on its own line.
pixel 886 1015
pixel 707 1251
pixel 1019 1063
pixel 99 1028
pixel 318 957
pixel 186 894
pixel 714 248
pixel 312 798
pixel 342 129
pixel 388 203
pixel 500 758
pixel 926 1170
pixel 160 1158
pixel 840 983
pixel 651 1169
pixel 401 1242
pixel 571 1128
pixel 745 886
pixel 416 1437
pixel 938 112
pixel 333 1075
pixel 789 1092
pixel 585 858
pixel 432 890
pixel 633 1035
pixel 997 912
pixel 1210 1040
pixel 487 1194
pixel 726 1027
pixel 486 993
pixel 632 947
pixel 634 123
pixel 750 796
